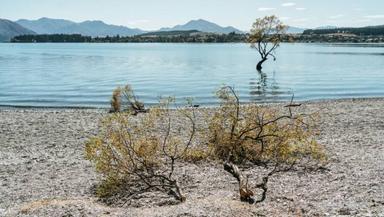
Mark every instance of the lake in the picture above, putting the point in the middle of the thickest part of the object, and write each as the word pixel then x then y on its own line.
pixel 84 75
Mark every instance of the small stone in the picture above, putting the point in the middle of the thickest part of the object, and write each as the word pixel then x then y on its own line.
pixel 345 211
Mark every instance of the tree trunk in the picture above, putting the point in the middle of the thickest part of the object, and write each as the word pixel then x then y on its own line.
pixel 259 67
pixel 245 193
pixel 179 192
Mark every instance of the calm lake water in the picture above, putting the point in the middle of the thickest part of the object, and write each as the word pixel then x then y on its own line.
pixel 85 74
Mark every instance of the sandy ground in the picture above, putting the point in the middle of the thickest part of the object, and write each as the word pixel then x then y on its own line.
pixel 43 171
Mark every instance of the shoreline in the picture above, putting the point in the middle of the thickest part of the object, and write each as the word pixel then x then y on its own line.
pixel 329 43
pixel 43 171
pixel 315 101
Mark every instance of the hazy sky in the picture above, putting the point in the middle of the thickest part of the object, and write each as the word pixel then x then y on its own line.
pixel 153 14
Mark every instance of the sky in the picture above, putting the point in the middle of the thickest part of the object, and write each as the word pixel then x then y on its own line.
pixel 154 14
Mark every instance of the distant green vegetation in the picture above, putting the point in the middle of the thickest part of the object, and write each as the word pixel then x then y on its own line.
pixel 191 36
pixel 362 31
pixel 369 34
pixel 51 38
pixel 333 38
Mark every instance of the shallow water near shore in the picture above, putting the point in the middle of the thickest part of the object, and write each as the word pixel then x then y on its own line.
pixel 84 75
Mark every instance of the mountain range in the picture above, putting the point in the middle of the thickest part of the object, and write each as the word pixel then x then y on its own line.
pixel 9 29
pixel 99 28
pixel 202 26
pixel 295 30
pixel 88 28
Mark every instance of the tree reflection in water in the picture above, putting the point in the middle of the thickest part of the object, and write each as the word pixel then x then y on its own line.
pixel 264 88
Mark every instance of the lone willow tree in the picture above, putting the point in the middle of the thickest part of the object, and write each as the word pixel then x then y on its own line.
pixel 265 37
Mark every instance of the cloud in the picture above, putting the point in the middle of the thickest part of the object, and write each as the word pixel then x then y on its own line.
pixel 266 9
pixel 301 9
pixel 288 4
pixel 376 16
pixel 336 16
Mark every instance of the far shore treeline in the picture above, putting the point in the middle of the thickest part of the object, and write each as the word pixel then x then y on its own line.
pixel 370 34
pixel 160 37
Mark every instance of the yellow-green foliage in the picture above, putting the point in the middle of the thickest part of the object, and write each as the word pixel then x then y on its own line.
pixel 253 133
pixel 142 149
pixel 109 187
pixel 124 145
pixel 116 100
pixel 267 29
pixel 195 155
pixel 124 99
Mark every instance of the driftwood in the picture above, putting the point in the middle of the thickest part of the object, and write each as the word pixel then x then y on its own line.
pixel 132 101
pixel 137 107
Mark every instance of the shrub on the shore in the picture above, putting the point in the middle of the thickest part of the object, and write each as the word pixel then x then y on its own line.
pixel 261 136
pixel 140 154
pixel 137 155
pixel 124 99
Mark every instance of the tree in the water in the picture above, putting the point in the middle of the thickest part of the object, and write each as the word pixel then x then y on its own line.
pixel 265 37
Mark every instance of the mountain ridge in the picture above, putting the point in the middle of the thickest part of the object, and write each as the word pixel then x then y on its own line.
pixel 98 28
pixel 94 28
pixel 202 26
pixel 295 30
pixel 9 29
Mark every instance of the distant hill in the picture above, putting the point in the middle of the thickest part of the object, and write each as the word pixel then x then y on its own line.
pixel 88 28
pixel 295 30
pixel 45 25
pixel 202 26
pixel 9 29
pixel 99 28
pixel 368 30
pixel 327 27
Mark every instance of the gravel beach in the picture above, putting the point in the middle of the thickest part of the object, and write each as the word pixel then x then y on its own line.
pixel 43 171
